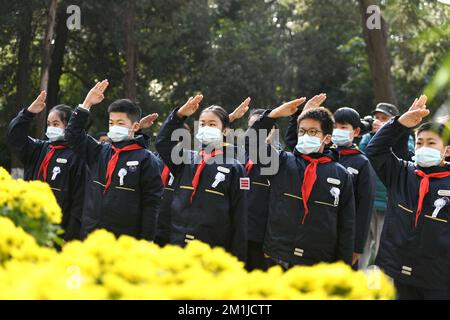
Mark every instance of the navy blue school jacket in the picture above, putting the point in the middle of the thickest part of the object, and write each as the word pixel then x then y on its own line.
pixel 162 236
pixel 67 186
pixel 291 135
pixel 257 199
pixel 130 208
pixel 257 204
pixel 364 183
pixel 328 232
pixel 218 214
pixel 415 255
pixel 364 186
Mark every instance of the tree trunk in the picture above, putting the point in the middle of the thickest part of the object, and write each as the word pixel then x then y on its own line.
pixel 23 77
pixel 378 54
pixel 46 60
pixel 57 59
pixel 131 52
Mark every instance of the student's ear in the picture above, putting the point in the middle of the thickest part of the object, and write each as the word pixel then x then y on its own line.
pixel 356 132
pixel 226 131
pixel 135 127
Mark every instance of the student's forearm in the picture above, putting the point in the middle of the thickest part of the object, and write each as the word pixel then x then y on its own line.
pixel 164 143
pixel 264 122
pixel 379 151
pixel 386 138
pixel 82 144
pixel 401 148
pixel 291 131
pixel 75 132
pixel 18 128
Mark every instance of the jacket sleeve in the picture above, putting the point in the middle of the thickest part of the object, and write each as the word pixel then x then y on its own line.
pixel 23 146
pixel 84 146
pixel 365 197
pixel 152 190
pixel 291 135
pixel 255 145
pixel 238 215
pixel 162 235
pixel 346 222
pixel 165 145
pixel 402 149
pixel 385 163
pixel 77 191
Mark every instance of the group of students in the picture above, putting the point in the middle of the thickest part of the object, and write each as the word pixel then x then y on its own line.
pixel 315 207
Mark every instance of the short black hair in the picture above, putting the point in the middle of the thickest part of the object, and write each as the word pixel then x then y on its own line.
pixel 439 128
pixel 323 115
pixel 221 113
pixel 64 112
pixel 347 116
pixel 127 106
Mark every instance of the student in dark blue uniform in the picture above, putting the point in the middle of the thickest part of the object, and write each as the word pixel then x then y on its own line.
pixel 126 188
pixel 311 209
pixel 162 235
pixel 347 122
pixel 257 193
pixel 415 241
pixel 258 207
pixel 51 160
pixel 208 203
pixel 347 127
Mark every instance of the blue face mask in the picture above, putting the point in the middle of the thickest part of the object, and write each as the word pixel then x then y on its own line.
pixel 209 135
pixel 55 134
pixel 307 144
pixel 118 133
pixel 427 157
pixel 341 137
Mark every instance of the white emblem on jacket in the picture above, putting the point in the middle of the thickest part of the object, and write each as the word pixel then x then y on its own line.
pixel 218 179
pixel 335 192
pixel 56 171
pixel 122 173
pixel 438 205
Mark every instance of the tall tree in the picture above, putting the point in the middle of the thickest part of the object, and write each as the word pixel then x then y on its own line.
pixel 57 59
pixel 376 40
pixel 25 36
pixel 46 61
pixel 130 51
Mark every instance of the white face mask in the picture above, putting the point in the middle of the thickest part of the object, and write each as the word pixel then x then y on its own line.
pixel 341 137
pixel 55 134
pixel 307 144
pixel 118 133
pixel 427 157
pixel 209 135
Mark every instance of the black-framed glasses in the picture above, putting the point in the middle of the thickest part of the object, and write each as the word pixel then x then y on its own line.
pixel 311 132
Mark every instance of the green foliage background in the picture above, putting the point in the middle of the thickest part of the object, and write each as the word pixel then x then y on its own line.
pixel 270 50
